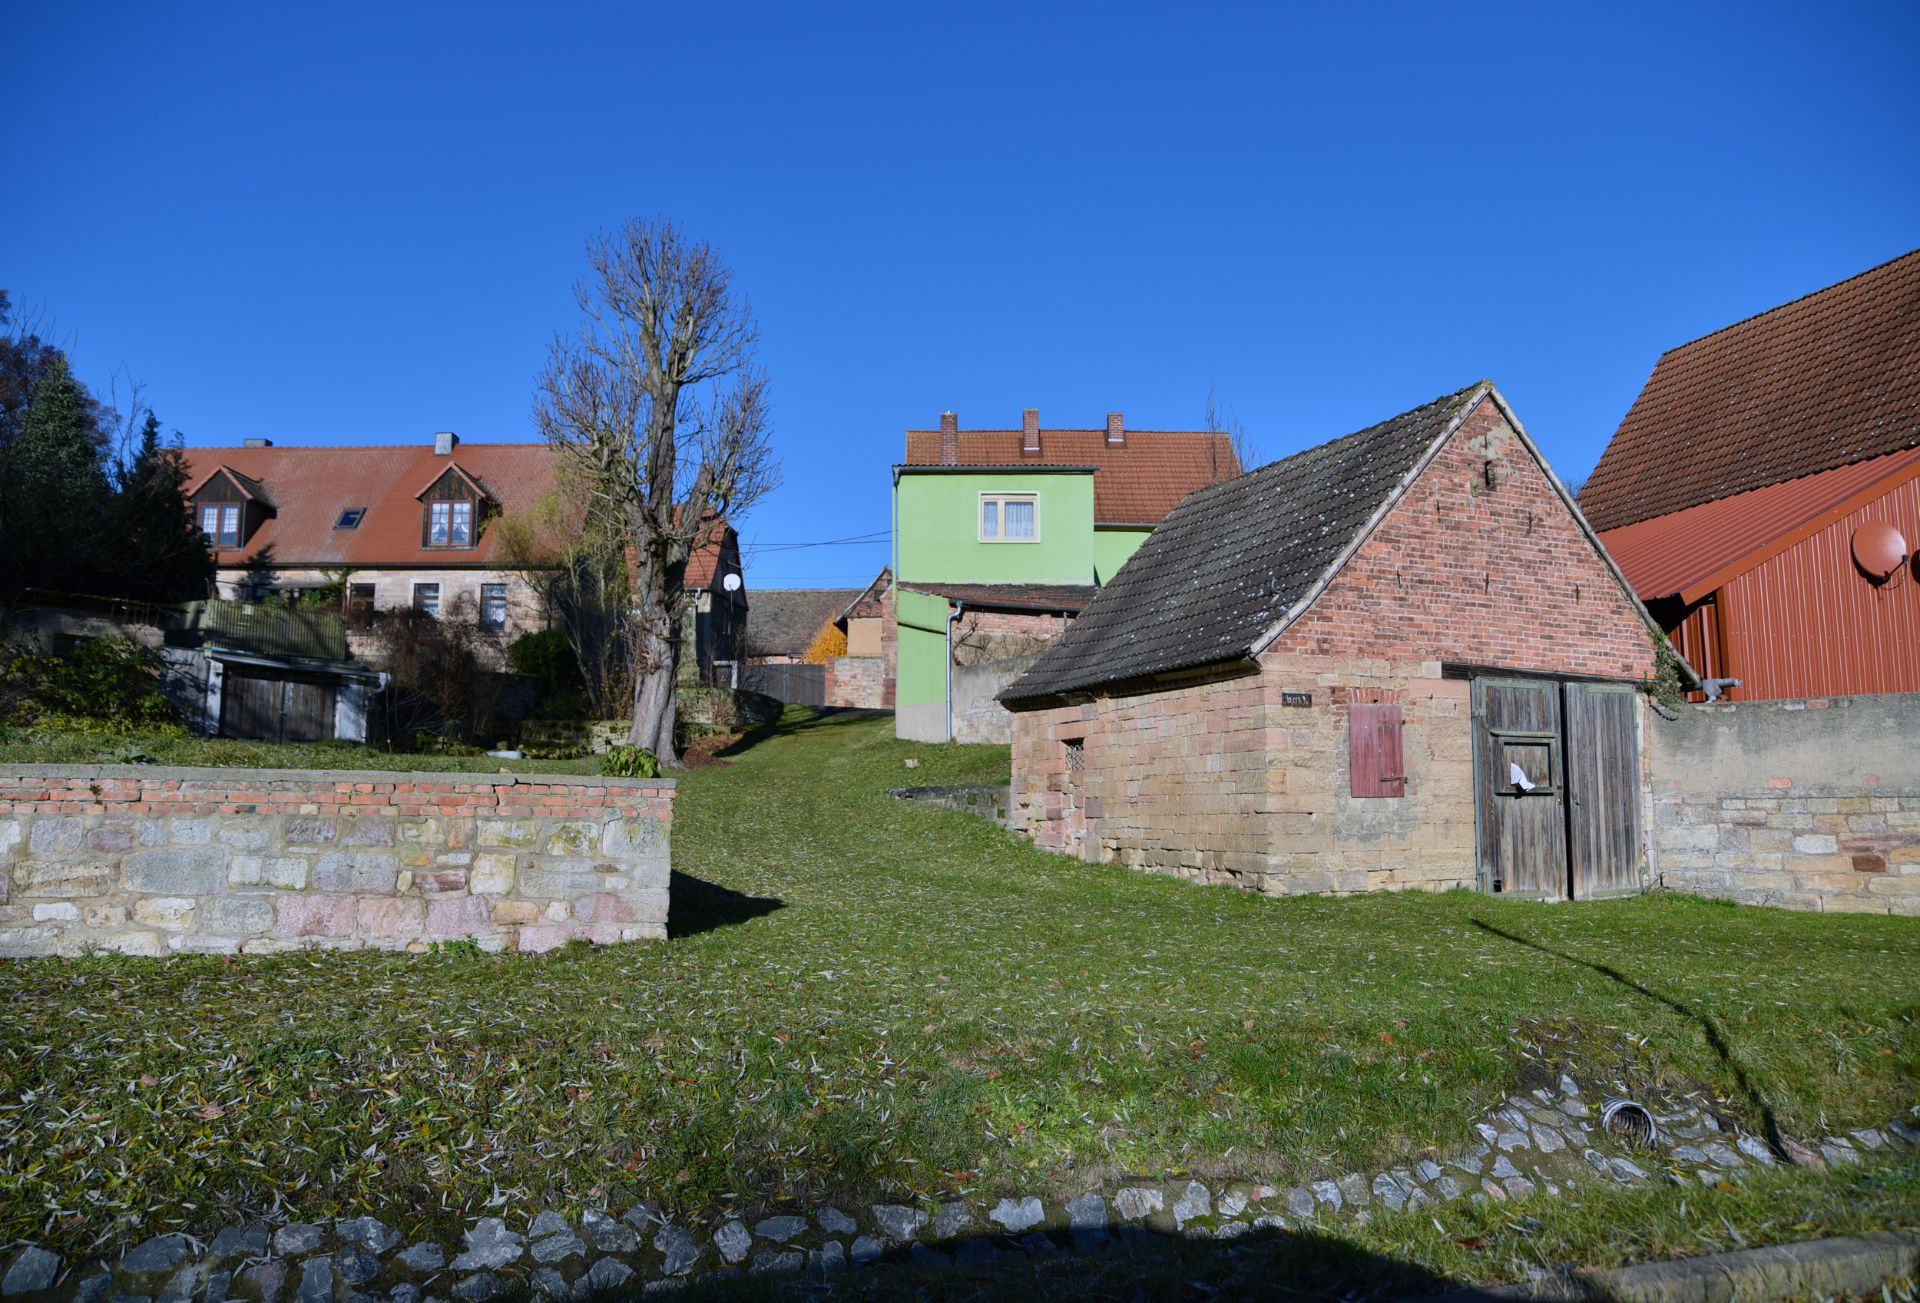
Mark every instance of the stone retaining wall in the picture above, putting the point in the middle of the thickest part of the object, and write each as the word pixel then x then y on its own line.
pixel 988 800
pixel 1808 804
pixel 152 861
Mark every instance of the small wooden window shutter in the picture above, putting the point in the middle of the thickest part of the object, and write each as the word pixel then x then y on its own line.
pixel 1374 755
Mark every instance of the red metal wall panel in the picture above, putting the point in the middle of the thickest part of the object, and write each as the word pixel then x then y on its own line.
pixel 1807 623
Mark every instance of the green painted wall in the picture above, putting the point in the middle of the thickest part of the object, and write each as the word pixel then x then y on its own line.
pixel 938 529
pixel 922 672
pixel 1111 548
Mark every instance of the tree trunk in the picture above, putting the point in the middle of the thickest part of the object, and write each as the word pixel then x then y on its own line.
pixel 656 664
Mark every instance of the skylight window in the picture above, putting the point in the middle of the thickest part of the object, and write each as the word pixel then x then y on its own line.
pixel 350 518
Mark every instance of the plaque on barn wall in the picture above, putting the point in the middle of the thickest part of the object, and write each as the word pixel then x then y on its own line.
pixel 1296 698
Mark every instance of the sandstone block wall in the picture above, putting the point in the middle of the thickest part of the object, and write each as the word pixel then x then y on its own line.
pixel 153 861
pixel 1808 804
pixel 858 681
pixel 1225 782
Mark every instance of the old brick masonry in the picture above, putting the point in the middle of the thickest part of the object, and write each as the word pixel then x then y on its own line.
pixel 153 861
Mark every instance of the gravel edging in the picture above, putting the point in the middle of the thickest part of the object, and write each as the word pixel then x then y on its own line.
pixel 1846 1265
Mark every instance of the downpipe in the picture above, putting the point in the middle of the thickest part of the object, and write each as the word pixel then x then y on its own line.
pixel 954 613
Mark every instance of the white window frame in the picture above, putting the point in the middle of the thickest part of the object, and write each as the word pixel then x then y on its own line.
pixel 1004 496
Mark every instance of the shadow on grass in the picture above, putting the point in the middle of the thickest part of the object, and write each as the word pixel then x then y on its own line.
pixel 696 906
pixel 1127 1263
pixel 798 720
pixel 1770 1128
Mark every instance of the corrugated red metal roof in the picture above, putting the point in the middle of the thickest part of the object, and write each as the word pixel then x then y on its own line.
pixel 1134 483
pixel 1826 380
pixel 1690 553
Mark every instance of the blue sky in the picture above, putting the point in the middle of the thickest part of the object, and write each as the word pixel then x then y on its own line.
pixel 359 225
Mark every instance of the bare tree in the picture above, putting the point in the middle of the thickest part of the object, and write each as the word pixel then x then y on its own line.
pixel 658 406
pixel 1224 420
pixel 579 570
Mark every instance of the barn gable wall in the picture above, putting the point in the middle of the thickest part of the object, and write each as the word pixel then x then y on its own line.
pixel 1235 780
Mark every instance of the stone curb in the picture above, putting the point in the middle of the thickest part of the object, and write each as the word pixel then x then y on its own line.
pixel 234 774
pixel 1847 1265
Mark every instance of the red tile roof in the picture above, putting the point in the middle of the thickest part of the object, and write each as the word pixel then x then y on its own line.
pixel 1824 381
pixel 1134 483
pixel 310 486
pixel 1689 554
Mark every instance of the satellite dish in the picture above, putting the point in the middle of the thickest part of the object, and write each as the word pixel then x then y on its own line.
pixel 1879 549
pixel 731 583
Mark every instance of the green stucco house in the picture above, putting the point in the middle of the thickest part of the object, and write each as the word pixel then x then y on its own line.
pixel 1001 537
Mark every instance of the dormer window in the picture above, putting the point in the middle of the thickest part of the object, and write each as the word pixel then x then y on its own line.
pixel 450 509
pixel 220 522
pixel 449 524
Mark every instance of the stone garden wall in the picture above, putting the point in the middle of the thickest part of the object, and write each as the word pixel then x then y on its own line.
pixel 988 800
pixel 1808 804
pixel 152 861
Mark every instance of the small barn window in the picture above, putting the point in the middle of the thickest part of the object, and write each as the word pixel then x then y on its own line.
pixel 1076 756
pixel 1374 754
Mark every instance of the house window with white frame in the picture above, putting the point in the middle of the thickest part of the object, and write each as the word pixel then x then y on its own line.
pixel 450 524
pixel 1009 518
pixel 221 524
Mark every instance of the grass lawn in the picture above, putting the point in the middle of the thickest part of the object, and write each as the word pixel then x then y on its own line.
pixel 865 996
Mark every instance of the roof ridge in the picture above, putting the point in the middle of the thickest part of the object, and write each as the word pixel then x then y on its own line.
pixel 1781 307
pixel 357 447
pixel 1458 394
pixel 1067 429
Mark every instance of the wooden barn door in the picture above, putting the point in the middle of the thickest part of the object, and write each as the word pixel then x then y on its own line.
pixel 1603 789
pixel 1519 787
pixel 275 709
pixel 1556 769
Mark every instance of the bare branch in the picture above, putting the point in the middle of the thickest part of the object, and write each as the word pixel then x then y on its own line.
pixel 664 425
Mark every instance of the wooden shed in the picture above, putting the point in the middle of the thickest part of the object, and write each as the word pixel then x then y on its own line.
pixel 1397 659
pixel 269 671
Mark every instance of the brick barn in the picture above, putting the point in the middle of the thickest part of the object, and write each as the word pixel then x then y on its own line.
pixel 1398 659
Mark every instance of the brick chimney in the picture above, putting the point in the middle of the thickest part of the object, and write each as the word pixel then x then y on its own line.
pixel 443 443
pixel 1030 439
pixel 949 439
pixel 1116 429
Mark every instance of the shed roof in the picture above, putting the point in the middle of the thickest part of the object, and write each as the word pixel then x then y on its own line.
pixel 267 629
pixel 1013 597
pixel 1208 585
pixel 1826 380
pixel 783 621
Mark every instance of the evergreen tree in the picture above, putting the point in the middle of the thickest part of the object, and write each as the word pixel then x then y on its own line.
pixel 58 492
pixel 162 555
